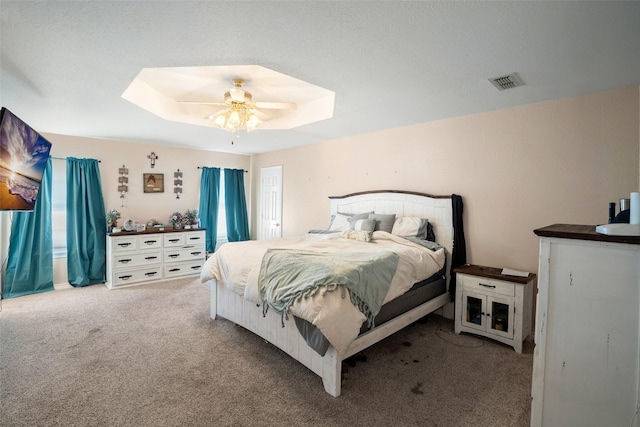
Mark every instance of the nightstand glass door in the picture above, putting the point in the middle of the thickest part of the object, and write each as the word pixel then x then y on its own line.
pixel 475 310
pixel 488 313
pixel 501 313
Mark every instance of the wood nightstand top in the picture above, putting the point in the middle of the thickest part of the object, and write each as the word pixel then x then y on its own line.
pixel 492 273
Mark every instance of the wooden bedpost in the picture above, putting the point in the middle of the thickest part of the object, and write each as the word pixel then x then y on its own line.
pixel 332 372
pixel 213 290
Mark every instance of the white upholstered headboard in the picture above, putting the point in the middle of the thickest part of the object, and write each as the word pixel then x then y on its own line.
pixel 437 209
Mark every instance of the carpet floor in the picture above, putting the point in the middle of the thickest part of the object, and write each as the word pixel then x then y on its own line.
pixel 150 355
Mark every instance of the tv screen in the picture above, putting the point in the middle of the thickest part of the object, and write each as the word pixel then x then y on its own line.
pixel 23 157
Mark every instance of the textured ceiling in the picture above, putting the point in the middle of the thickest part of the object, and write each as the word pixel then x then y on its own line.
pixel 64 64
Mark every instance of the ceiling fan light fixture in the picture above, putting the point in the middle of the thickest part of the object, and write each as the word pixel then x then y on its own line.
pixel 220 120
pixel 253 122
pixel 234 119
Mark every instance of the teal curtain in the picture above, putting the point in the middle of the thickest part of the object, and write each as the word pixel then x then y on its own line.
pixel 30 260
pixel 209 202
pixel 235 205
pixel 86 225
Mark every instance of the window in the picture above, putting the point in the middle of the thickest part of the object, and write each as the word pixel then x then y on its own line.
pixel 59 208
pixel 222 216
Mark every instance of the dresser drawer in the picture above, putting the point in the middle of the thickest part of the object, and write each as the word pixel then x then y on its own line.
pixel 149 241
pixel 184 254
pixel 123 243
pixel 125 277
pixel 173 240
pixel 194 238
pixel 137 258
pixel 182 269
pixel 474 283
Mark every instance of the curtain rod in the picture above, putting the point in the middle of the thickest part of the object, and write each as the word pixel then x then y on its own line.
pixel 65 158
pixel 200 167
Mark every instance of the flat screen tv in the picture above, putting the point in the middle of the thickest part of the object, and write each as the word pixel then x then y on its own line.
pixel 23 157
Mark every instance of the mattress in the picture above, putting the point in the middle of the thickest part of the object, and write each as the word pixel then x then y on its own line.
pixel 419 293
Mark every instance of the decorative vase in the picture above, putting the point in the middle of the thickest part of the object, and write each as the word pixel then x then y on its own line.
pixel 178 226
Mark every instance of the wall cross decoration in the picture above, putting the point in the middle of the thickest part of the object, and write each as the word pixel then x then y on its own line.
pixel 153 159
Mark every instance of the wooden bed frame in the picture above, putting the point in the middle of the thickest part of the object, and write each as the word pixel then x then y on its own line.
pixel 231 306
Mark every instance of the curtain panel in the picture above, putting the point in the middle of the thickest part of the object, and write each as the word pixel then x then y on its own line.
pixel 30 260
pixel 236 205
pixel 86 225
pixel 209 203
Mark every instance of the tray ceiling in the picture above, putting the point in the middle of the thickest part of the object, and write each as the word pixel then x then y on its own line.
pixel 64 65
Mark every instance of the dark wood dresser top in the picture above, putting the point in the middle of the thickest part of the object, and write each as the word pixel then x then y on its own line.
pixel 583 232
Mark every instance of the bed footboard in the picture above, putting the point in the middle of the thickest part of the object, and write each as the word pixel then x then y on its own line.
pixel 231 306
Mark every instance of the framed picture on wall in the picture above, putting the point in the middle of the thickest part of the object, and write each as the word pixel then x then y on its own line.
pixel 153 182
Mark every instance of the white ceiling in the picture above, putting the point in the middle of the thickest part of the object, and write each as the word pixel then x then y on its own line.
pixel 65 64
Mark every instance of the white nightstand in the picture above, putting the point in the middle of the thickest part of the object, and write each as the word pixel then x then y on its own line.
pixel 494 305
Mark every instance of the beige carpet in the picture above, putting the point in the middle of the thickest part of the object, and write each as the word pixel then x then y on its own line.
pixel 151 356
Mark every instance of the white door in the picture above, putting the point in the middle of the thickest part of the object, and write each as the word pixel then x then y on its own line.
pixel 270 202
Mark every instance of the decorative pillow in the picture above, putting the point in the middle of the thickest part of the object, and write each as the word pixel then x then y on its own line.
pixel 344 221
pixel 360 236
pixel 411 226
pixel 340 222
pixel 384 222
pixel 355 218
pixel 368 225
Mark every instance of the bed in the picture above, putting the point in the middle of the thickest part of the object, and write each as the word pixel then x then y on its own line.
pixel 318 325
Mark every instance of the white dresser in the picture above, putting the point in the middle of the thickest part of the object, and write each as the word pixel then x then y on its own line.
pixel 134 258
pixel 586 363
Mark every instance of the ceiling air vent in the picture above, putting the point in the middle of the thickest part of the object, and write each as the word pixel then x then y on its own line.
pixel 506 82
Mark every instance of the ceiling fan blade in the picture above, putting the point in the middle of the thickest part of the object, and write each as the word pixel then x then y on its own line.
pixel 262 115
pixel 213 115
pixel 203 102
pixel 277 105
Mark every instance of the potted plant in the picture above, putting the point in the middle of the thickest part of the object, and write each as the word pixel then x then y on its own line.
pixel 177 220
pixel 112 218
pixel 191 218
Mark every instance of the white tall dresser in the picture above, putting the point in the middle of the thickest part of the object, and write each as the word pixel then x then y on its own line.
pixel 586 365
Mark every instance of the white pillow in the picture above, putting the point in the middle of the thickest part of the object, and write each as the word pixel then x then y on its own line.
pixel 406 226
pixel 340 222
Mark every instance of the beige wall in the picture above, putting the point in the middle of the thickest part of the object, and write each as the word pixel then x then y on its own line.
pixel 517 170
pixel 137 204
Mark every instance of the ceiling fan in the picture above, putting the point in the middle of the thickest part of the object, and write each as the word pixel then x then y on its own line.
pixel 239 111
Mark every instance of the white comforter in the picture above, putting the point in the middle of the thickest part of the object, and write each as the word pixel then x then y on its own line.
pixel 237 266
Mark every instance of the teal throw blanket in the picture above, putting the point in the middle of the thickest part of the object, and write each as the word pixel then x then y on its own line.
pixel 287 275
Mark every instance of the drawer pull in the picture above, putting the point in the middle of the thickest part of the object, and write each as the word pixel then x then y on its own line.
pixel 195 267
pixel 174 240
pixel 174 255
pixel 487 286
pixel 173 270
pixel 150 257
pixel 196 253
pixel 150 242
pixel 151 273
pixel 125 277
pixel 124 261
pixel 124 245
pixel 194 238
